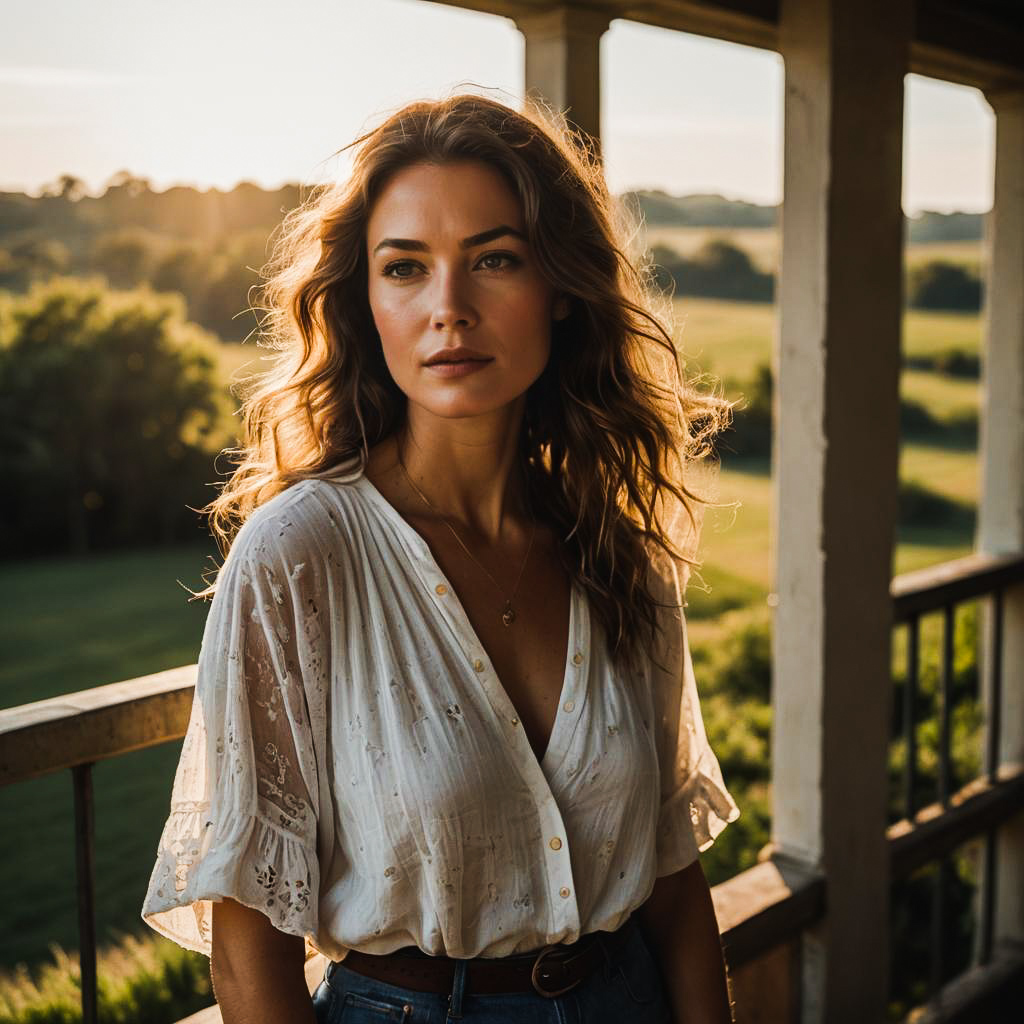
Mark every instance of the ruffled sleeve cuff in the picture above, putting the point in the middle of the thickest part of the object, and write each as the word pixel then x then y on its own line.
pixel 256 863
pixel 691 819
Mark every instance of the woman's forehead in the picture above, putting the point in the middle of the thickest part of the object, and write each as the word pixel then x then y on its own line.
pixel 442 200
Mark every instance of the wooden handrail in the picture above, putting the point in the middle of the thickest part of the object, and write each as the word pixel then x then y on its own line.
pixel 94 725
pixel 974 809
pixel 961 579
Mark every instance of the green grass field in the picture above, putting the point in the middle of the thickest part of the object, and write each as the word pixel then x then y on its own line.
pixel 728 339
pixel 66 625
pixel 69 624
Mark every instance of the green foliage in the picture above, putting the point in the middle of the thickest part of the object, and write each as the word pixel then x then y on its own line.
pixel 957 429
pixel 730 592
pixel 123 258
pixel 206 246
pixel 718 269
pixel 912 897
pixel 146 980
pixel 939 284
pixel 700 210
pixel 32 260
pixel 751 430
pixel 108 404
pixel 951 362
pixel 929 226
pixel 919 505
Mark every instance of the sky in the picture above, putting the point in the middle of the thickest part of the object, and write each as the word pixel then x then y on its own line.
pixel 212 92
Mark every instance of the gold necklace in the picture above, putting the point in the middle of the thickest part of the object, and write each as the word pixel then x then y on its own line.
pixel 508 615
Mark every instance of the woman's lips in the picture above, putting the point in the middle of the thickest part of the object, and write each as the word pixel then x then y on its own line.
pixel 458 369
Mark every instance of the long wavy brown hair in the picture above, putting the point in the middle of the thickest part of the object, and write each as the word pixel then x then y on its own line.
pixel 610 427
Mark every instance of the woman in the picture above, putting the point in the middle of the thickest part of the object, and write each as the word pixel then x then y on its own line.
pixel 446 728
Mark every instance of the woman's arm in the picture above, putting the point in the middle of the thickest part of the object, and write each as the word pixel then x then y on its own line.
pixel 257 971
pixel 679 919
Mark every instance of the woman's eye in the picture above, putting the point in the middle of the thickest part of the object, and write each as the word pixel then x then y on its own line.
pixel 401 269
pixel 498 261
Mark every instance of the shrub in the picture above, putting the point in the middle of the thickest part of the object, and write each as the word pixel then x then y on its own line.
pixel 142 980
pixel 108 408
pixel 921 506
pixel 939 284
pixel 953 362
pixel 718 270
pixel 750 433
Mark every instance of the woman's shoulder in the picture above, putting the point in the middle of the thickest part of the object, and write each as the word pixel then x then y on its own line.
pixel 307 520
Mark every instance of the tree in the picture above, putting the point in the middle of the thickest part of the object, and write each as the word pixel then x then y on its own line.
pixel 67 186
pixel 31 260
pixel 718 270
pixel 108 407
pixel 939 284
pixel 123 257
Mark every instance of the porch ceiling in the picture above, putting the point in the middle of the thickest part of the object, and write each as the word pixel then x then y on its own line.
pixel 980 43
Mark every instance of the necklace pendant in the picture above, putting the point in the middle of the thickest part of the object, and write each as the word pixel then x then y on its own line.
pixel 508 616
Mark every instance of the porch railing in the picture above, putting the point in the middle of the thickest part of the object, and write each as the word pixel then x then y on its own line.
pixel 760 910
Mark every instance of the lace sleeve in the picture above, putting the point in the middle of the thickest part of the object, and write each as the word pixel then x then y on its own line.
pixel 243 817
pixel 695 804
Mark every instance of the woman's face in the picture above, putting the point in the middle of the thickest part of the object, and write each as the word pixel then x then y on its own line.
pixel 450 268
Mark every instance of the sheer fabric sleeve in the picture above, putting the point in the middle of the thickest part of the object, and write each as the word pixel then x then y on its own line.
pixel 695 804
pixel 243 816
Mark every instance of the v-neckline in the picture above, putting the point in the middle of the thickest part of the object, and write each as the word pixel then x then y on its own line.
pixel 498 694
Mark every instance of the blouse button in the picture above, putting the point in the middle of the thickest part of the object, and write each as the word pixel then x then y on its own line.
pixel 514 721
pixel 556 843
pixel 564 893
pixel 441 589
pixel 577 658
pixel 569 705
pixel 478 665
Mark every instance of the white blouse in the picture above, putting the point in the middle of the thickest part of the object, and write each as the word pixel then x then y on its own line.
pixel 354 770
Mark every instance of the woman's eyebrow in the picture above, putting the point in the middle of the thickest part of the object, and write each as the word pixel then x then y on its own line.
pixel 414 245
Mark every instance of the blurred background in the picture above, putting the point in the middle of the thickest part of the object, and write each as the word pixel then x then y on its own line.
pixel 150 151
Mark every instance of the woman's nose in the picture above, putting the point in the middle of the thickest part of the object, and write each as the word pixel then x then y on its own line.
pixel 453 309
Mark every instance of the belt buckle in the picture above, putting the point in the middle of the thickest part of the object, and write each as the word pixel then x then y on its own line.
pixel 535 976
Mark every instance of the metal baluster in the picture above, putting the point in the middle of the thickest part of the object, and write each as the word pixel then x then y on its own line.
pixel 937 951
pixel 995 696
pixel 988 898
pixel 909 703
pixel 995 690
pixel 85 871
pixel 946 709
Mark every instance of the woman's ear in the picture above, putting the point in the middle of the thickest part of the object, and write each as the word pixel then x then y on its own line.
pixel 561 308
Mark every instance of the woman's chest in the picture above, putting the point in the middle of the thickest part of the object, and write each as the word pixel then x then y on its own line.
pixel 422 727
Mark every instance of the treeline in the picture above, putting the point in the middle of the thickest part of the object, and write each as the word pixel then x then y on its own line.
pixel 111 413
pixel 206 246
pixel 714 211
pixel 209 246
pixel 719 269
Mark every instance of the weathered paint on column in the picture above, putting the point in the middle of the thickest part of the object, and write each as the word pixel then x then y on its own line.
pixel 563 61
pixel 837 359
pixel 1001 509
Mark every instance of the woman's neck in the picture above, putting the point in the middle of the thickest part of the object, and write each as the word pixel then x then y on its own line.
pixel 474 481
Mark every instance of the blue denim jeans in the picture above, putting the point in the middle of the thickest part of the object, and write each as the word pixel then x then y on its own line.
pixel 630 989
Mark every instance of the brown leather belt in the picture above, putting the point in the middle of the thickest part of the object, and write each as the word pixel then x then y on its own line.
pixel 550 971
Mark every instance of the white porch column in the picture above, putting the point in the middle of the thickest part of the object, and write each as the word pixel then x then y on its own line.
pixel 1001 509
pixel 563 61
pixel 837 358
